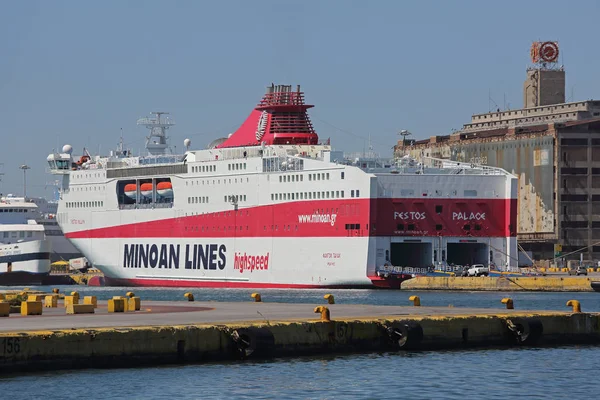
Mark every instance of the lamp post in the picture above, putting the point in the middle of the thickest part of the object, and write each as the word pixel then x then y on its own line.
pixel 404 133
pixel 24 167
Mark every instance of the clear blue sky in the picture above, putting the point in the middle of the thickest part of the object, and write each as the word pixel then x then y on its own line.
pixel 78 71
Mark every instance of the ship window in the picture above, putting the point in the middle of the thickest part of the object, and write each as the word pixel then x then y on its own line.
pixel 280 179
pixel 327 194
pixel 5 234
pixel 400 227
pixel 342 193
pixel 438 209
pixel 244 197
pixel 318 177
pixel 411 227
pixel 477 227
pixel 301 178
pixel 327 176
pixel 342 174
pixel 225 198
pixel 244 165
pixel 467 227
pixel 352 193
pixel 337 193
pixel 438 227
pixel 21 234
pixel 293 196
pixel 29 234
pixel 470 193
pixel 272 196
pixel 357 193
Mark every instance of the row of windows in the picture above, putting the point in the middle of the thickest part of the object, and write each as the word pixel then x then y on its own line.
pixel 329 194
pixel 13 210
pixel 466 193
pixel 15 235
pixel 82 175
pixel 234 198
pixel 86 188
pixel 308 195
pixel 197 200
pixel 217 181
pixel 205 168
pixel 438 227
pixel 84 204
pixel 236 166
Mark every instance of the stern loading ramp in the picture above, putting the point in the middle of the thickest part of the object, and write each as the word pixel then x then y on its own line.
pixel 467 253
pixel 411 254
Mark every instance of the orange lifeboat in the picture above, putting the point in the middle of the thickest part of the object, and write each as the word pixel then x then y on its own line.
pixel 164 189
pixel 130 190
pixel 146 189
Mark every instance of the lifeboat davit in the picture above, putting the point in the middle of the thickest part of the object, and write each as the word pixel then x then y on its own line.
pixel 146 189
pixel 164 189
pixel 130 190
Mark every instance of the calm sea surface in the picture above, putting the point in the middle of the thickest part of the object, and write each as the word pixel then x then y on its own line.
pixel 556 373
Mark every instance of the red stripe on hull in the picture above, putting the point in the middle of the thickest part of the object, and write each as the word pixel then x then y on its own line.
pixel 223 284
pixel 329 218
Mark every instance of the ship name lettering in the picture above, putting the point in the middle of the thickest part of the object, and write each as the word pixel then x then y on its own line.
pixel 410 215
pixel 465 216
pixel 168 256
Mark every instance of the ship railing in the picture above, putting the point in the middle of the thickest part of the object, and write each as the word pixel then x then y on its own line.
pixel 145 206
pixel 462 168
pixel 282 164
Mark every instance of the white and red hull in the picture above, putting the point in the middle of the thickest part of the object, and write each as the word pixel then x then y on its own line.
pixel 270 207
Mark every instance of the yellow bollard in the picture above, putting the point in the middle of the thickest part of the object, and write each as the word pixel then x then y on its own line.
pixel 31 307
pixel 329 298
pixel 256 297
pixel 416 300
pixel 575 304
pixel 130 294
pixel 189 296
pixel 51 301
pixel 116 305
pixel 93 300
pixel 71 300
pixel 135 304
pixel 325 316
pixel 75 296
pixel 509 303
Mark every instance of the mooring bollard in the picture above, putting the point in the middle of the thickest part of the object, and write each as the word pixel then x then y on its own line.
pixel 256 297
pixel 325 316
pixel 509 303
pixel 329 298
pixel 416 300
pixel 189 296
pixel 575 304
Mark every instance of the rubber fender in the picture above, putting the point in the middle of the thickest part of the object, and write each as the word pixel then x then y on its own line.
pixel 524 330
pixel 405 334
pixel 253 341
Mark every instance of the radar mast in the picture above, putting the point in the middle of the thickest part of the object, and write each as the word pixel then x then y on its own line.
pixel 156 142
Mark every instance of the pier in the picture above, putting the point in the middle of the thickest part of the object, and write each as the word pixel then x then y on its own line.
pixel 191 331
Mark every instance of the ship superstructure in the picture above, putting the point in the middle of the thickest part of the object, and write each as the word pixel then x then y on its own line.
pixel 24 249
pixel 270 206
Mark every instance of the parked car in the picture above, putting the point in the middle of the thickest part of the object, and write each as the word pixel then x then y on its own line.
pixel 578 271
pixel 478 270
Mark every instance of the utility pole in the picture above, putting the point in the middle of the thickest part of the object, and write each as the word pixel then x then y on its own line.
pixel 24 167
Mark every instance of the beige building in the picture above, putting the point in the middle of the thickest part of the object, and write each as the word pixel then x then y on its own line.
pixel 554 149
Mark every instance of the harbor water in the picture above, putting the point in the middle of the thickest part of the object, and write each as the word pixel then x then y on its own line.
pixel 563 372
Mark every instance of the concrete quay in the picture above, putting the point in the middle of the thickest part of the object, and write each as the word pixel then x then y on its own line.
pixel 182 332
pixel 549 283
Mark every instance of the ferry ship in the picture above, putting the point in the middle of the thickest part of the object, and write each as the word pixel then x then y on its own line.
pixel 272 207
pixel 24 249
